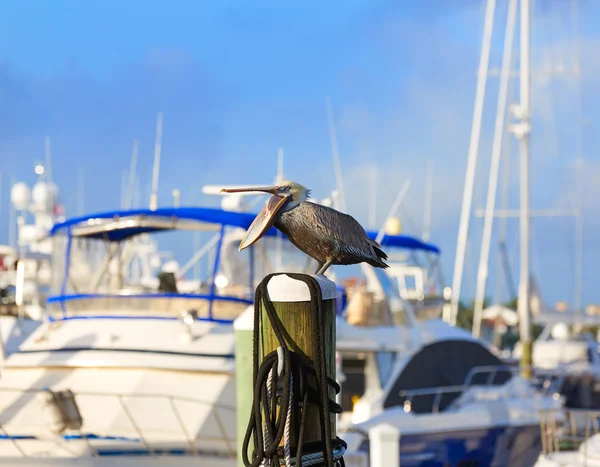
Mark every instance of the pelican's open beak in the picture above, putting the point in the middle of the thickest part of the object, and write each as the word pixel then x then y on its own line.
pixel 266 217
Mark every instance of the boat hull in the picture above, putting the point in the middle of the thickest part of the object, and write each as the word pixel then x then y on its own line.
pixel 517 446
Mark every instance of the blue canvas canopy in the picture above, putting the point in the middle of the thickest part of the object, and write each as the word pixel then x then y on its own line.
pixel 170 217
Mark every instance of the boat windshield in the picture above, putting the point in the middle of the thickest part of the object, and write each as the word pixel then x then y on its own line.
pixel 95 276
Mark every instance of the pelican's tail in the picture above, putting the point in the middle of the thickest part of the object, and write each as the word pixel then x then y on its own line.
pixel 379 261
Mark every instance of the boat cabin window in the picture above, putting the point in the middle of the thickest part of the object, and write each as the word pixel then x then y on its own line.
pixel 385 365
pixel 444 364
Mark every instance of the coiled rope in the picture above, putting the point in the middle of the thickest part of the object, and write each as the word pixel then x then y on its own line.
pixel 282 380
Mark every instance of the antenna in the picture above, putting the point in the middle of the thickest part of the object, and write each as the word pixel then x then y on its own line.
pixel 132 170
pixel 428 200
pixel 156 167
pixel 395 206
pixel 336 155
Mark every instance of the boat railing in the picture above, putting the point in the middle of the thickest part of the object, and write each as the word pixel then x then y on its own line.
pixel 480 376
pixel 437 394
pixel 211 306
pixel 136 440
pixel 567 429
pixel 490 372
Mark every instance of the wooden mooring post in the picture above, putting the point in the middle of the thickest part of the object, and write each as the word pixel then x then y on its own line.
pixel 291 299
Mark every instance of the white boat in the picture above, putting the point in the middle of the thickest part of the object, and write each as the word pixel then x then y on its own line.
pixel 131 372
pixel 451 398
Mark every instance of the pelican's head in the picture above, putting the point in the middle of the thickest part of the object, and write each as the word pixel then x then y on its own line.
pixel 297 193
pixel 286 195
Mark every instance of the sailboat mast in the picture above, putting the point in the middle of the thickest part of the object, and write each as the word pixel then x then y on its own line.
pixel 482 272
pixel 132 174
pixel 522 131
pixel 465 213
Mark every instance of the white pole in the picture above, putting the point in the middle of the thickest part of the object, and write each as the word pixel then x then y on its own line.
pixel 336 156
pixel 523 134
pixel 395 207
pixel 176 198
pixel 578 276
pixel 132 171
pixel 465 214
pixel 384 449
pixel 486 240
pixel 373 198
pixel 579 239
pixel 428 201
pixel 502 225
pixel 156 166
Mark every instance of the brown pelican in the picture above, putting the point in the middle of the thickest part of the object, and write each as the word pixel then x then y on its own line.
pixel 327 235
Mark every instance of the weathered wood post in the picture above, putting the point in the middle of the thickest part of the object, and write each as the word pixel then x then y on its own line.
pixel 291 299
pixel 243 376
pixel 294 315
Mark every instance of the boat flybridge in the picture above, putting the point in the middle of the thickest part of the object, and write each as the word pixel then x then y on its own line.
pixel 142 371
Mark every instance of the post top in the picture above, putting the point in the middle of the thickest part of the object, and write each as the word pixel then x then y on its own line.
pixel 285 289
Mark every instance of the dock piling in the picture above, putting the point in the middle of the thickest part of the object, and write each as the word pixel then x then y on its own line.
pixel 294 391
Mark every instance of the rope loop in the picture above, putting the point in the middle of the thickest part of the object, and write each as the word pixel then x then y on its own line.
pixel 282 380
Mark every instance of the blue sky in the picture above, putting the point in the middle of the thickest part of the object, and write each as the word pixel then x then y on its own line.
pixel 236 80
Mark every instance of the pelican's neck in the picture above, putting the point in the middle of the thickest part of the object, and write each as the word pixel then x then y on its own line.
pixel 291 205
pixel 294 203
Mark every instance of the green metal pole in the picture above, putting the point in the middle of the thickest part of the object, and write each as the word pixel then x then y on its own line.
pixel 243 326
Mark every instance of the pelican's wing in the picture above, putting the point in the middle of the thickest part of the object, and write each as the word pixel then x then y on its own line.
pixel 346 229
